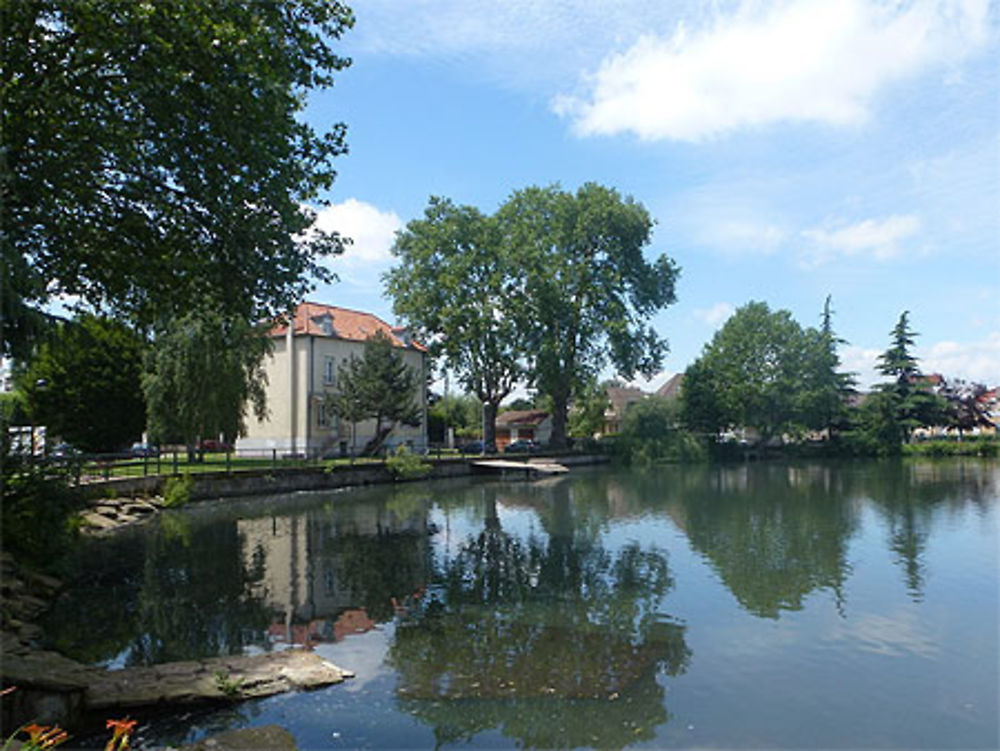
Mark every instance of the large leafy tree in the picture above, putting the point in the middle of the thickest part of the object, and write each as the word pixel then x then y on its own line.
pixel 84 384
pixel 153 157
pixel 752 374
pixel 203 372
pixel 585 290
pixel 454 285
pixel 379 385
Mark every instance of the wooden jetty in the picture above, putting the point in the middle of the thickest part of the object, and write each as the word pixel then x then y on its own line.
pixel 531 468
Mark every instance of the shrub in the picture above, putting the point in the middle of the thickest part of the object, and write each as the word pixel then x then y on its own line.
pixel 177 490
pixel 39 510
pixel 405 465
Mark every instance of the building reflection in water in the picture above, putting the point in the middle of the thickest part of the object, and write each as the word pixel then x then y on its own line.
pixel 331 573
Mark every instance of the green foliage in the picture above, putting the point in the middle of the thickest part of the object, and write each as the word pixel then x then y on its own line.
pixel 13 409
pixel 905 403
pixel 177 491
pixel 38 510
pixel 378 385
pixel 155 158
pixel 651 432
pixel 584 289
pixel 463 413
pixel 754 373
pixel 984 446
pixel 451 251
pixel 405 465
pixel 228 685
pixel 586 418
pixel 84 384
pixel 202 373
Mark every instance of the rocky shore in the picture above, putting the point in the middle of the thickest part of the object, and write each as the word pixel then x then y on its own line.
pixel 53 689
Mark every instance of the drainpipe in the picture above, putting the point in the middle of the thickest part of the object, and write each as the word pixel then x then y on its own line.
pixel 290 348
pixel 309 395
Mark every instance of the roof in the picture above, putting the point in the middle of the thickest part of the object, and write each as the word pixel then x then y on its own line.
pixel 352 325
pixel 527 418
pixel 622 396
pixel 672 387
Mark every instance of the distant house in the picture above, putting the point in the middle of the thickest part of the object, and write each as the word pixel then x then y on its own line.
pixel 672 388
pixel 620 398
pixel 517 424
pixel 302 378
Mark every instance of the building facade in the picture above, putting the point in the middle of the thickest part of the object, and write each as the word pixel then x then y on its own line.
pixel 302 378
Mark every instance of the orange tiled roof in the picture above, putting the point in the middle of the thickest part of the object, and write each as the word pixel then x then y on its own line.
pixel 352 325
pixel 521 418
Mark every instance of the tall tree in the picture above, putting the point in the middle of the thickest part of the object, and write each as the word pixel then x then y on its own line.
pixel 84 384
pixel 913 403
pixel 454 284
pixel 825 401
pixel 752 374
pixel 378 385
pixel 154 158
pixel 203 372
pixel 584 291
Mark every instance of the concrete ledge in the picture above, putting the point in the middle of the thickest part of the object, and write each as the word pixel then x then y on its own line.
pixel 209 485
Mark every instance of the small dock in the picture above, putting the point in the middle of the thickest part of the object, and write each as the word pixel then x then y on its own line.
pixel 530 469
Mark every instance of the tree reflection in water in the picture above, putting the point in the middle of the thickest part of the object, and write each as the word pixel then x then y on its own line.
pixel 548 637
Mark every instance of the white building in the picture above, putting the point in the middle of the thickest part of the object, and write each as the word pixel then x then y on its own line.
pixel 302 375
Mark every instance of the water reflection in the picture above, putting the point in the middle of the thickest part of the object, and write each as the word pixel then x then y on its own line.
pixel 560 613
pixel 774 534
pixel 548 636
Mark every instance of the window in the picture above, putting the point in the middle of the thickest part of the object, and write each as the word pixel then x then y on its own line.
pixel 329 371
pixel 325 416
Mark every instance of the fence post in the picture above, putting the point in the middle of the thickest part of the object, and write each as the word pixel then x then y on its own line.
pixel 274 458
pixel 229 455
pixel 175 461
pixel 145 464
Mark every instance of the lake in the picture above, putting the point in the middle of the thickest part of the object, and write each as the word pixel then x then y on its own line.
pixel 823 605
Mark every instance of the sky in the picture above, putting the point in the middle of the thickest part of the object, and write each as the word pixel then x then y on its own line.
pixel 787 150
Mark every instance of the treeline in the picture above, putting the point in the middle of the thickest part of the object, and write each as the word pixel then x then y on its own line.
pixel 764 380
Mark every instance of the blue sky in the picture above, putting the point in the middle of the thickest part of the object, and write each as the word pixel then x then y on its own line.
pixel 786 150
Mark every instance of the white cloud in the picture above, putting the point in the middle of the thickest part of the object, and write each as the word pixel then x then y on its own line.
pixel 877 238
pixel 819 61
pixel 977 361
pixel 861 361
pixel 371 230
pixel 716 315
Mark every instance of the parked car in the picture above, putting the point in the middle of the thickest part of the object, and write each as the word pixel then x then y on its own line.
pixel 144 449
pixel 476 447
pixel 64 451
pixel 211 444
pixel 521 446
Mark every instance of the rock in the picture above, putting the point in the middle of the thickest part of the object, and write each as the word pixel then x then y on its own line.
pixel 47 584
pixel 216 679
pixel 266 738
pixel 46 670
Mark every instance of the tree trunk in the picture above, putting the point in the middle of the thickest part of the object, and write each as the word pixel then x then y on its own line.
pixel 560 410
pixel 490 425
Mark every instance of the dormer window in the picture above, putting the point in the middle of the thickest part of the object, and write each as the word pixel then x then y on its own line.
pixel 325 323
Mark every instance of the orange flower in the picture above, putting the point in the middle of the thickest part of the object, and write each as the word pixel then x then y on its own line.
pixel 121 731
pixel 44 737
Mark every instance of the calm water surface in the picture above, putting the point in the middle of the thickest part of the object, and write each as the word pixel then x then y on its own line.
pixel 768 605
